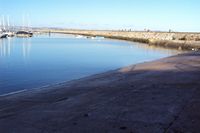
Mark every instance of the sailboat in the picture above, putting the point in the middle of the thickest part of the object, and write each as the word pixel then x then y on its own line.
pixel 3 35
pixel 24 32
pixel 2 29
pixel 8 31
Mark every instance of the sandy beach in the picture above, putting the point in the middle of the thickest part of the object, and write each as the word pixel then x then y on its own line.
pixel 155 97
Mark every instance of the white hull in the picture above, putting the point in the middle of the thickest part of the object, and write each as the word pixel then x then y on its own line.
pixel 80 36
pixel 3 35
pixel 10 34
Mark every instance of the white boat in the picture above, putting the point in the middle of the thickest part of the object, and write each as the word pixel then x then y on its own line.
pixel 80 36
pixel 5 31
pixel 10 34
pixel 8 31
pixel 3 35
pixel 96 37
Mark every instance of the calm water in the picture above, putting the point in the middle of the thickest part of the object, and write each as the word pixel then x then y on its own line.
pixel 42 60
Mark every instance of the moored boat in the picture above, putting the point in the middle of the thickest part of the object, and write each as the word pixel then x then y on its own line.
pixel 24 34
pixel 10 34
pixel 3 35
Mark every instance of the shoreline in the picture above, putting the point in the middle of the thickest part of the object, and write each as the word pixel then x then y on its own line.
pixel 118 40
pixel 146 97
pixel 175 40
pixel 157 96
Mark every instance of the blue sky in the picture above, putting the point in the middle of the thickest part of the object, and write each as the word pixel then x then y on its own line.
pixel 178 15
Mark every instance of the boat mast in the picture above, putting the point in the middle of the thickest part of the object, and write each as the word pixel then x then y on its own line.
pixel 3 24
pixel 8 22
pixel 28 22
pixel 12 27
pixel 0 25
pixel 23 27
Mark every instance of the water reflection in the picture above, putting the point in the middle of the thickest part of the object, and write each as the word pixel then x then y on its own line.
pixel 146 47
pixel 26 46
pixel 7 46
pixel 27 63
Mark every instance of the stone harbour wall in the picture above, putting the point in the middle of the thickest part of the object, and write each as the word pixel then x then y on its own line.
pixel 178 40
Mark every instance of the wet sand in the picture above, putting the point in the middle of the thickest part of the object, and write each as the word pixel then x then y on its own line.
pixel 153 97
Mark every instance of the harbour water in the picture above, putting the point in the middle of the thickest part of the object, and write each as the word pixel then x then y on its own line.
pixel 27 63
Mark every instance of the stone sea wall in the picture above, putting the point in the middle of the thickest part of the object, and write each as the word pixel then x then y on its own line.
pixel 186 41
